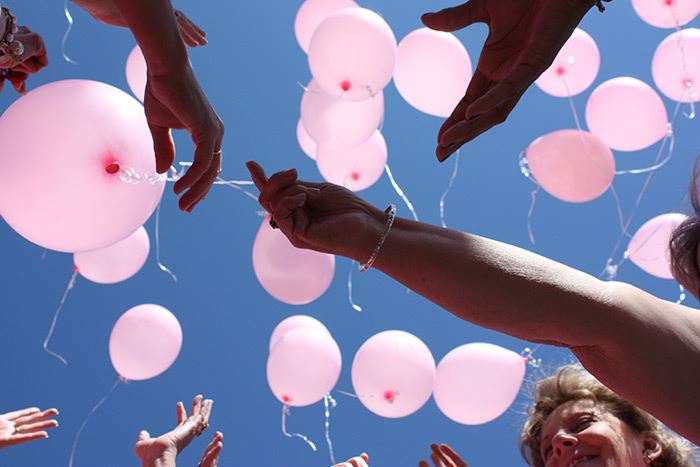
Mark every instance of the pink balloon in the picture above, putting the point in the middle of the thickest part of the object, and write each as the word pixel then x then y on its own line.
pixel 295 322
pixel 303 367
pixel 352 54
pixel 357 168
pixel 575 67
pixel 117 262
pixel 477 382
pixel 307 144
pixel 571 165
pixel 291 275
pixel 648 248
pixel 432 71
pixel 136 73
pixel 626 114
pixel 667 13
pixel 675 67
pixel 393 374
pixel 144 342
pixel 339 124
pixel 63 145
pixel 311 14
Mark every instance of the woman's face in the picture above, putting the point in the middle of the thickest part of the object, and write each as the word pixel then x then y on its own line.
pixel 582 434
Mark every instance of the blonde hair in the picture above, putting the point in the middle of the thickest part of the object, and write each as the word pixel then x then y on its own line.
pixel 573 382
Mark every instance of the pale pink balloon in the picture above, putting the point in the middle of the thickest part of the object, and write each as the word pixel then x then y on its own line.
pixel 352 54
pixel 306 144
pixel 432 71
pixel 311 14
pixel 136 73
pixel 393 374
pixel 303 367
pixel 144 342
pixel 574 68
pixel 292 275
pixel 357 168
pixel 295 322
pixel 667 13
pixel 648 248
pixel 63 145
pixel 571 165
pixel 675 66
pixel 117 262
pixel 337 123
pixel 626 114
pixel 476 383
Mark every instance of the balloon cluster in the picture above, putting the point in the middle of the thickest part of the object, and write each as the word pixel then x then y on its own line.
pixel 394 373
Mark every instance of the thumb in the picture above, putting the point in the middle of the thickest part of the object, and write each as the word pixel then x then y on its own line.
pixel 365 457
pixel 457 17
pixel 144 435
pixel 163 147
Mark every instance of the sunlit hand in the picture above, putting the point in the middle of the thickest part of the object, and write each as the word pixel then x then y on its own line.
pixel 165 448
pixel 25 425
pixel 211 453
pixel 318 216
pixel 359 461
pixel 34 58
pixel 443 456
pixel 524 38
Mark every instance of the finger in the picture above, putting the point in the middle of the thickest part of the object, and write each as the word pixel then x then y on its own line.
pixel 503 91
pixel 218 436
pixel 210 458
pixel 26 437
pixel 453 456
pixel 423 464
pixel 187 39
pixel 199 190
pixel 163 146
pixel 457 17
pixel 35 417
pixel 437 452
pixel 38 426
pixel 203 158
pixel 467 130
pixel 194 32
pixel 364 457
pixel 292 190
pixel 257 173
pixel 206 409
pixel 276 183
pixel 181 413
pixel 11 416
pixel 144 435
pixel 196 404
pixel 436 460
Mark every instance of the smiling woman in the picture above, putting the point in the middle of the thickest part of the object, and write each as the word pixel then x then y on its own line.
pixel 576 421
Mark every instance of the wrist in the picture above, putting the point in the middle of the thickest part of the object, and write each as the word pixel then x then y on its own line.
pixel 370 238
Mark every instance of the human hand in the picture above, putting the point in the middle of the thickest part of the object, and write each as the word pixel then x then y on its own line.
pixel 523 41
pixel 319 216
pixel 25 425
pixel 166 447
pixel 359 461
pixel 443 456
pixel 211 453
pixel 34 58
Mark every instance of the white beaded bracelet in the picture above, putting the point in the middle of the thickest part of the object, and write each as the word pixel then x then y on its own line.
pixel 391 210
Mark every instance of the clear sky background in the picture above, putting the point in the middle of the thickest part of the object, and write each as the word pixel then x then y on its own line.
pixel 250 71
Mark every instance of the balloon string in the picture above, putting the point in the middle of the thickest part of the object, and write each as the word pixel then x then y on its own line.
pixel 82 427
pixel 285 412
pixel 400 192
pixel 69 18
pixel 531 212
pixel 160 264
pixel 329 403
pixel 349 394
pixel 618 206
pixel 70 285
pixel 571 105
pixel 43 255
pixel 352 302
pixel 682 296
pixel 529 355
pixel 447 190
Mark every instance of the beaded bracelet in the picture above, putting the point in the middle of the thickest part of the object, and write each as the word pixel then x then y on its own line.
pixel 391 210
pixel 599 4
pixel 8 44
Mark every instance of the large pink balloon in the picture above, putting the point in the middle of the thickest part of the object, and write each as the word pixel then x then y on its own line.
pixel 295 322
pixel 667 13
pixel 144 342
pixel 62 147
pixel 117 262
pixel 393 374
pixel 571 165
pixel 477 382
pixel 306 144
pixel 339 124
pixel 626 114
pixel 432 71
pixel 675 66
pixel 311 14
pixel 291 275
pixel 648 248
pixel 352 54
pixel 574 68
pixel 136 73
pixel 303 367
pixel 357 168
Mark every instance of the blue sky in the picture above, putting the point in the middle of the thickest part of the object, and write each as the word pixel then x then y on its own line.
pixel 250 71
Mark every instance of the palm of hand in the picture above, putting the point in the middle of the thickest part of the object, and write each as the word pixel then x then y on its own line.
pixel 163 447
pixel 7 429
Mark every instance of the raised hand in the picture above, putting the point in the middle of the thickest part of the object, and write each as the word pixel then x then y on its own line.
pixel 443 456
pixel 25 425
pixel 211 453
pixel 524 38
pixel 33 58
pixel 359 461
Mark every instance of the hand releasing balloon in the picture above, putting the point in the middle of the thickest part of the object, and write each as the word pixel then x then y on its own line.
pixel 443 456
pixel 17 69
pixel 22 426
pixel 524 38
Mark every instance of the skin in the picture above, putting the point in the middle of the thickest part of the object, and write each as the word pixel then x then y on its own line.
pixel 33 59
pixel 360 461
pixel 546 302
pixel 32 424
pixel 443 456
